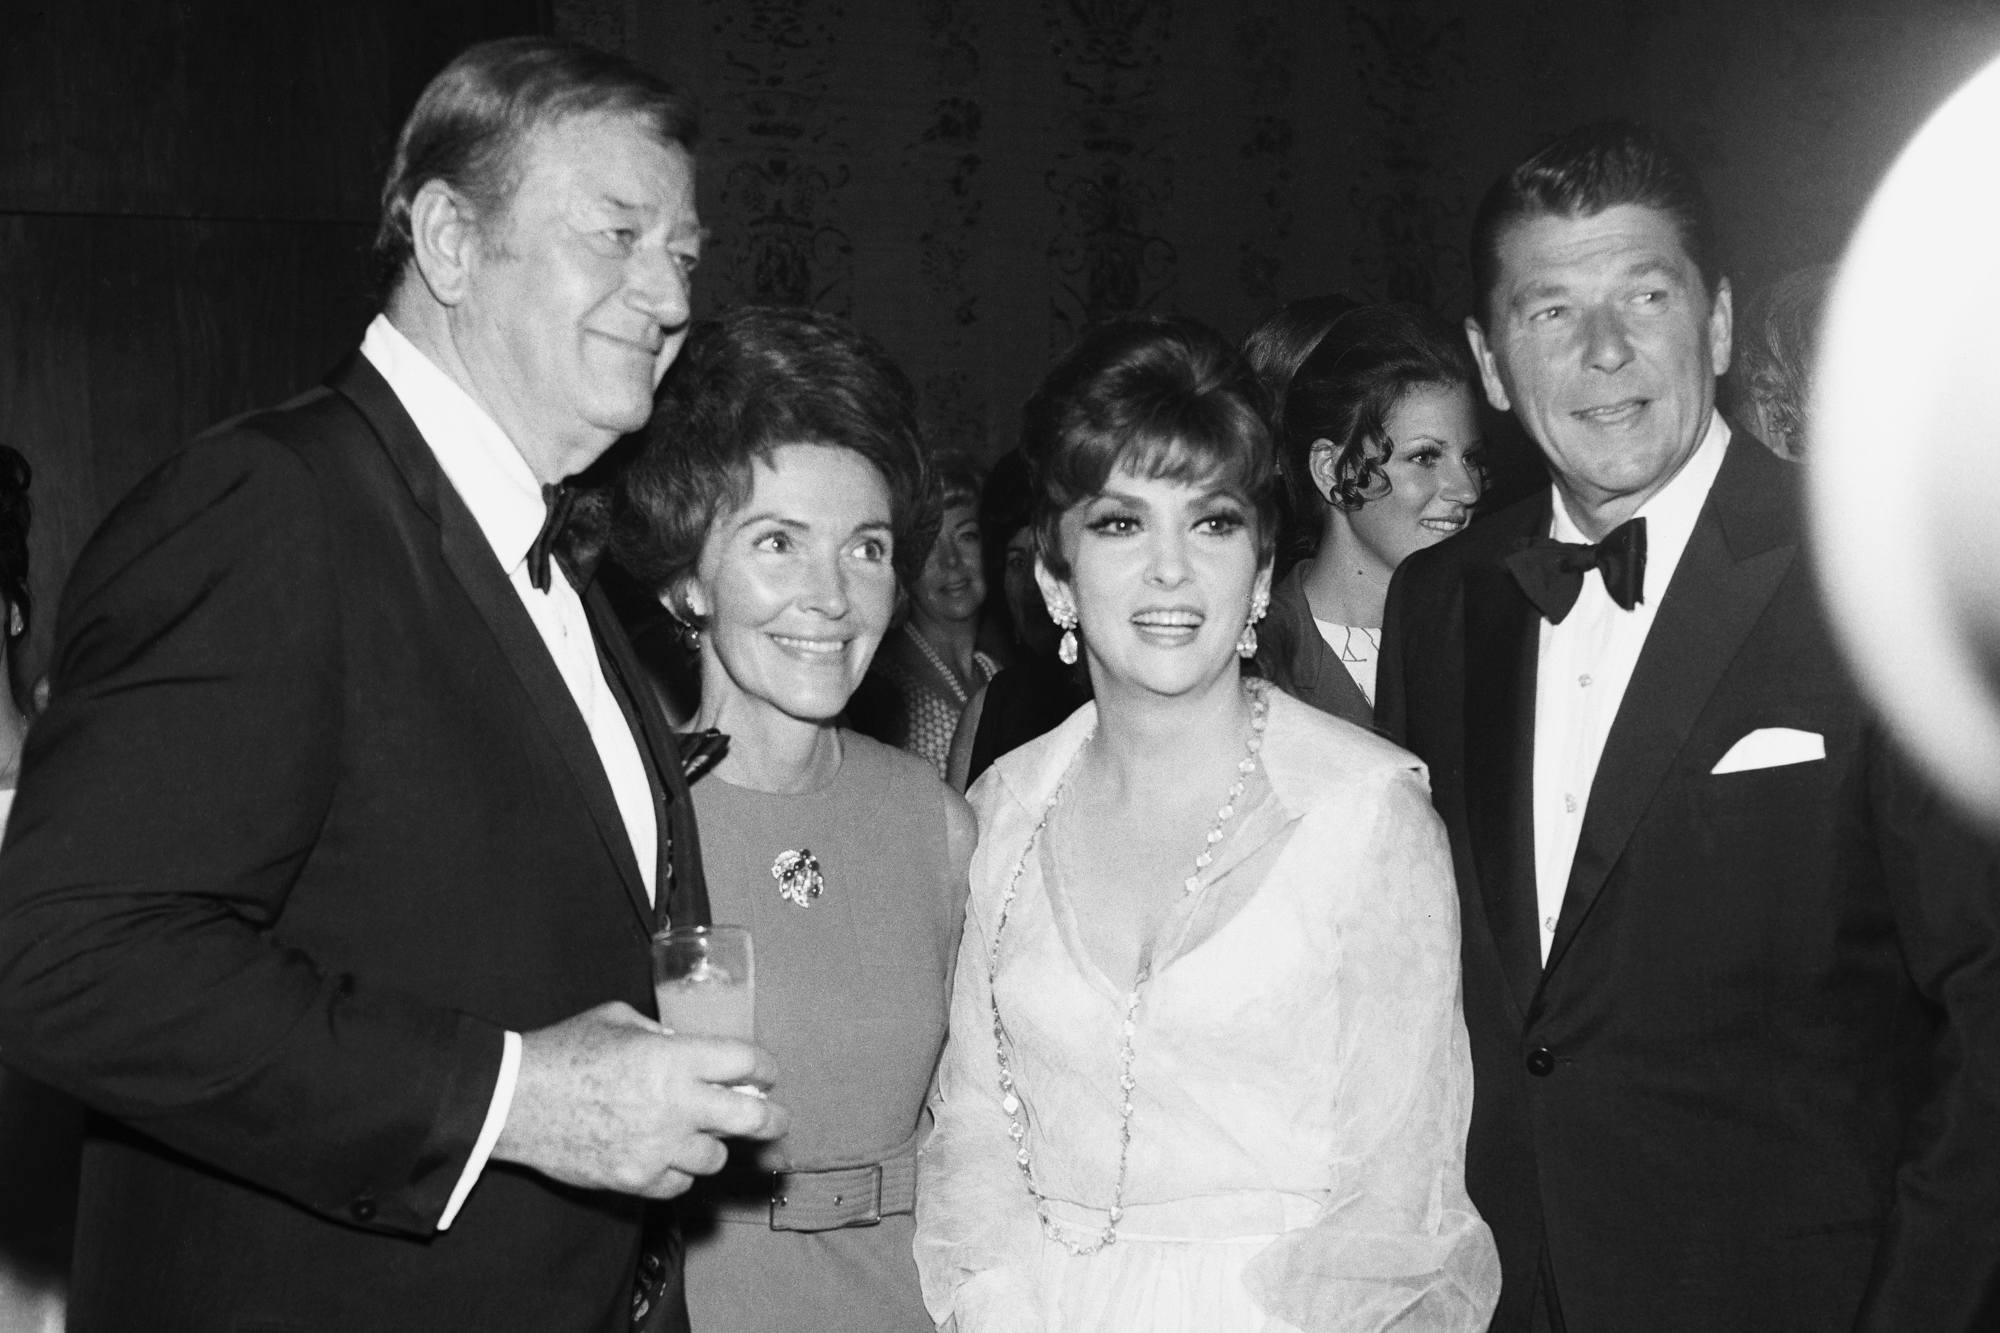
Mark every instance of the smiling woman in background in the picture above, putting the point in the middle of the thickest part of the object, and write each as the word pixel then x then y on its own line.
pixel 930 668
pixel 1207 1072
pixel 1380 453
pixel 780 490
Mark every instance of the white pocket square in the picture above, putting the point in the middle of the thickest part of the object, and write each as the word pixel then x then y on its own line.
pixel 1769 747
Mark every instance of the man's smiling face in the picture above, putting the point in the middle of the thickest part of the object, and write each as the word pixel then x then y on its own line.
pixel 1605 342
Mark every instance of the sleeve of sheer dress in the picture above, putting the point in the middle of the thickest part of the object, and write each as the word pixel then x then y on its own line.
pixel 1399 1244
pixel 977 1234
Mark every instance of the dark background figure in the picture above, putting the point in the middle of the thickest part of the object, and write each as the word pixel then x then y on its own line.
pixel 16 616
pixel 331 876
pixel 930 666
pixel 1381 452
pixel 1731 968
pixel 1770 380
pixel 41 1131
pixel 1037 689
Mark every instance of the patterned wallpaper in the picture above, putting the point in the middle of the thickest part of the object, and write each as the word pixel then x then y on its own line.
pixel 974 180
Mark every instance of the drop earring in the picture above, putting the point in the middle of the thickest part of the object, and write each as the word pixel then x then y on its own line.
pixel 1065 617
pixel 1246 642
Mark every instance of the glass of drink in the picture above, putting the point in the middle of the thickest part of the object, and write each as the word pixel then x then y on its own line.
pixel 702 977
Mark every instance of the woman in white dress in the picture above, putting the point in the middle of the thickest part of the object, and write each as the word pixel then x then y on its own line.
pixel 1206 1068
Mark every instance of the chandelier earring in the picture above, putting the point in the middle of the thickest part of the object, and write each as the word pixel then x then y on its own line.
pixel 1246 642
pixel 1065 617
pixel 16 625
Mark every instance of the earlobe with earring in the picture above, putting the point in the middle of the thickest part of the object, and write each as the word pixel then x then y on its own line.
pixel 1246 642
pixel 1065 617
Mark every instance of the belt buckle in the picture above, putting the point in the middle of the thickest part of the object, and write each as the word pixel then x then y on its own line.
pixel 874 1215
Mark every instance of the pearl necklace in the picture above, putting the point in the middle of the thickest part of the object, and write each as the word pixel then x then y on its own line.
pixel 1010 1097
pixel 936 659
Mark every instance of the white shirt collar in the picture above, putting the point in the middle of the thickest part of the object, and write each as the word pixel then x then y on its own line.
pixel 481 463
pixel 1670 512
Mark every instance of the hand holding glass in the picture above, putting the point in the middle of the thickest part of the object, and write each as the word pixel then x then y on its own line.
pixel 704 979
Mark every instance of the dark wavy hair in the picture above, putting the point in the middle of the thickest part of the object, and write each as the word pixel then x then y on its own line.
pixel 1344 391
pixel 1166 397
pixel 1280 342
pixel 746 383
pixel 1582 173
pixel 16 513
pixel 470 121
pixel 1006 505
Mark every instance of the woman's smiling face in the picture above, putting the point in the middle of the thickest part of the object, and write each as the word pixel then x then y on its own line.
pixel 1161 575
pixel 795 589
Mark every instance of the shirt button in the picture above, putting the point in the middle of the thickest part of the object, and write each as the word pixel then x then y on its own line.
pixel 1540 1062
pixel 1569 804
pixel 1584 680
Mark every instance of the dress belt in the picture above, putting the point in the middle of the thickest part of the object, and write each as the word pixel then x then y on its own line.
pixel 849 1196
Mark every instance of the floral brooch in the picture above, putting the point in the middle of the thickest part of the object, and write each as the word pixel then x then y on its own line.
pixel 799 880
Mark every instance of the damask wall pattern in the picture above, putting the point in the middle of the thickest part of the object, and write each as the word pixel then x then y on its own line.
pixel 974 180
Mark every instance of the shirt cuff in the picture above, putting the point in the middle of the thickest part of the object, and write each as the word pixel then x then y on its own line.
pixel 489 1133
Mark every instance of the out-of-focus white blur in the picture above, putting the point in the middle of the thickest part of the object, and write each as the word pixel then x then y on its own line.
pixel 1904 465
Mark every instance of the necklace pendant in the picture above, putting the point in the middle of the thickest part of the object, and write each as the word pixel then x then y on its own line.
pixel 799 880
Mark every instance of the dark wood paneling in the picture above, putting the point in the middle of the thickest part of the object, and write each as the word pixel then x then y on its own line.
pixel 122 338
pixel 230 108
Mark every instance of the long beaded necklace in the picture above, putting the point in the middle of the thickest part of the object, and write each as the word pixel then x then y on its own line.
pixel 1010 1097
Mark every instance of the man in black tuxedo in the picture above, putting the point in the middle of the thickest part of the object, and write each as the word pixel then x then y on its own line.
pixel 336 857
pixel 1732 974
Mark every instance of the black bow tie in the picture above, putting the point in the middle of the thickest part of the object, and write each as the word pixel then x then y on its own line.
pixel 1551 572
pixel 701 751
pixel 561 500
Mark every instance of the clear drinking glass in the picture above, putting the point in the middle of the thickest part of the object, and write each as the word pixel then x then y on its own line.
pixel 703 978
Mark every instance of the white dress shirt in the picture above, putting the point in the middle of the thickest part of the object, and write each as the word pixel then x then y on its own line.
pixel 1584 664
pixel 493 479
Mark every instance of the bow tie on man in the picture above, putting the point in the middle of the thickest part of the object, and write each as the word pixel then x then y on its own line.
pixel 1551 572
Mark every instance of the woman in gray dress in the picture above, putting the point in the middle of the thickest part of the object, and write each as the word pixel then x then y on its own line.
pixel 779 493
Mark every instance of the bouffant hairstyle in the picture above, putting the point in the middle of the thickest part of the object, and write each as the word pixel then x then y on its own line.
pixel 1343 392
pixel 747 383
pixel 1280 342
pixel 468 125
pixel 1166 397
pixel 1579 175
pixel 16 511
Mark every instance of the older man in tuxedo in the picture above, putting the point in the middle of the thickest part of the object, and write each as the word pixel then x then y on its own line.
pixel 1732 974
pixel 335 860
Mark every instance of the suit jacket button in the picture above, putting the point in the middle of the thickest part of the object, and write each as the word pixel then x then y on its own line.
pixel 1540 1062
pixel 363 1208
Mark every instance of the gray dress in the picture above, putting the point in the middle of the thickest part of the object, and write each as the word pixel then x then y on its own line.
pixel 852 995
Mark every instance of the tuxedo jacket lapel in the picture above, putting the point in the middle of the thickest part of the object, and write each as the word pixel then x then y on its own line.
pixel 681 895
pixel 1741 548
pixel 465 552
pixel 1502 638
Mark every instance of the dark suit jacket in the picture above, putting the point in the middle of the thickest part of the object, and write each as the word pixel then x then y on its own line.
pixel 312 819
pixel 1757 1086
pixel 1293 655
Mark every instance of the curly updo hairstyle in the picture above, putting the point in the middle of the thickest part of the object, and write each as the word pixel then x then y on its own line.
pixel 746 383
pixel 1167 398
pixel 1343 392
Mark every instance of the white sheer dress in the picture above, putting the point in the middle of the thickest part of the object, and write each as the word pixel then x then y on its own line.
pixel 1302 1076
